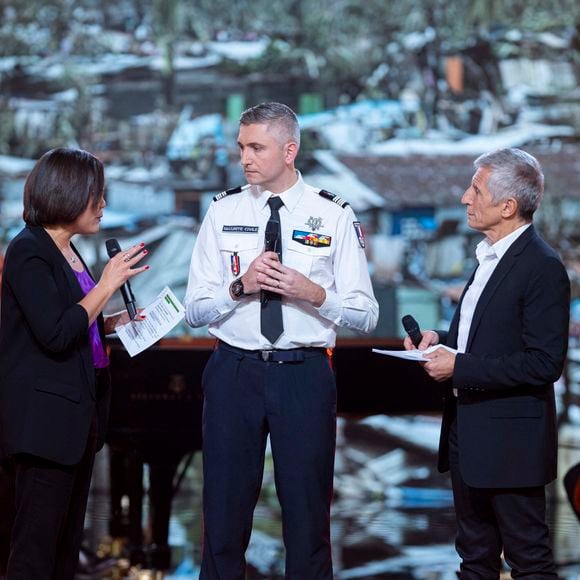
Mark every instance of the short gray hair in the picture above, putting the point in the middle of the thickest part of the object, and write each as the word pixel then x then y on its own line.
pixel 517 174
pixel 274 113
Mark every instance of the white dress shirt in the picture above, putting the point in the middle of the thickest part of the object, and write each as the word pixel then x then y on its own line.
pixel 488 255
pixel 234 228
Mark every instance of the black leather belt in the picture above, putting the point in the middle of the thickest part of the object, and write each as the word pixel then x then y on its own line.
pixel 275 355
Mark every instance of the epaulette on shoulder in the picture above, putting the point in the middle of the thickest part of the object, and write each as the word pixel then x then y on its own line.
pixel 333 197
pixel 227 192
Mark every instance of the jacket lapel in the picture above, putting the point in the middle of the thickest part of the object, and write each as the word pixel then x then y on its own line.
pixel 501 271
pixel 100 319
pixel 59 260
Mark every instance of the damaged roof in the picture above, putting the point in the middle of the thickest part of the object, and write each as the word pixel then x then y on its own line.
pixel 437 181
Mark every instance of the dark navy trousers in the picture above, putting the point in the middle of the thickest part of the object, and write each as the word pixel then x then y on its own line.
pixel 245 399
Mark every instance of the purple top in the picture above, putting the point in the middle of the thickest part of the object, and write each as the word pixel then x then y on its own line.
pixel 100 358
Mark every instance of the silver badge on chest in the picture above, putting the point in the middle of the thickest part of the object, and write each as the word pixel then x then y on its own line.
pixel 314 223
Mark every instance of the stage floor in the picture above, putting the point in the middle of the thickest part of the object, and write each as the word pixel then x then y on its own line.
pixel 392 515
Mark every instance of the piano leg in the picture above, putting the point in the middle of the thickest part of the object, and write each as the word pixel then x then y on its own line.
pixel 136 546
pixel 119 522
pixel 161 477
pixel 126 472
pixel 126 480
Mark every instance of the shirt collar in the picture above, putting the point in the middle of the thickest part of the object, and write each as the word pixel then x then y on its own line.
pixel 290 197
pixel 485 250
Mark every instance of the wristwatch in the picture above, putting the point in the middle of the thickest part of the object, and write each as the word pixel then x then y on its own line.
pixel 237 288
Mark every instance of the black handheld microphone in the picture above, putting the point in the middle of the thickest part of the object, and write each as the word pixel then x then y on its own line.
pixel 113 248
pixel 271 236
pixel 413 330
pixel 270 245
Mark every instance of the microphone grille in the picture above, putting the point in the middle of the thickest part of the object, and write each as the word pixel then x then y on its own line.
pixel 113 247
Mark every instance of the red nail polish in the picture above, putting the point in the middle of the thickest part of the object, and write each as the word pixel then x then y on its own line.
pixel 145 251
pixel 147 267
pixel 142 244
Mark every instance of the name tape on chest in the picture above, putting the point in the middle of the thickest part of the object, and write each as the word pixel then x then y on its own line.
pixel 241 229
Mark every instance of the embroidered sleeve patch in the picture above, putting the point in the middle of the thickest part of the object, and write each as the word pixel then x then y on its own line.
pixel 311 239
pixel 359 234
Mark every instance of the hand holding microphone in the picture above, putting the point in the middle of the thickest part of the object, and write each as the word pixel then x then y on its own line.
pixel 119 269
pixel 440 363
pixel 271 236
pixel 271 239
pixel 415 338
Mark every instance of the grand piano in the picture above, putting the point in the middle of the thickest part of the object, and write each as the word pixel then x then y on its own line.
pixel 156 421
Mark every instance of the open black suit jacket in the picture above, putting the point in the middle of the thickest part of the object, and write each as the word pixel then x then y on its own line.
pixel 515 351
pixel 48 391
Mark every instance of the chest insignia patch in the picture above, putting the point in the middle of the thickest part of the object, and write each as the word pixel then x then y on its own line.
pixel 314 223
pixel 240 229
pixel 359 234
pixel 311 239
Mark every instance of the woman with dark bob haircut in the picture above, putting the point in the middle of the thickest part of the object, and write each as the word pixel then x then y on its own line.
pixel 54 379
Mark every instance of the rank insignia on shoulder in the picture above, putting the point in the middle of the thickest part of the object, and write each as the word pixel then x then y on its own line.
pixel 359 234
pixel 227 192
pixel 333 197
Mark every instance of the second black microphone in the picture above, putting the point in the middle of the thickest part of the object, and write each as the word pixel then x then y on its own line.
pixel 412 328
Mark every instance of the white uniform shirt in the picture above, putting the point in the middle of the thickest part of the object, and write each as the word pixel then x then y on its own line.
pixel 319 239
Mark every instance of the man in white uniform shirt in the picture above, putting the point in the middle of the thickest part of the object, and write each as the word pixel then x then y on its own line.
pixel 274 313
pixel 498 436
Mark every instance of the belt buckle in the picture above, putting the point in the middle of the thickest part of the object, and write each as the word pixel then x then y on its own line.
pixel 265 355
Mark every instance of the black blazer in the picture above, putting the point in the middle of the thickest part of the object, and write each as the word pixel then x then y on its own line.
pixel 48 391
pixel 515 351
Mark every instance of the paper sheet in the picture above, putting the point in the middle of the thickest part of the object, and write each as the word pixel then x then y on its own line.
pixel 413 354
pixel 162 315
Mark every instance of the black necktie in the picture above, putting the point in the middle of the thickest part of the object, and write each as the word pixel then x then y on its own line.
pixel 271 307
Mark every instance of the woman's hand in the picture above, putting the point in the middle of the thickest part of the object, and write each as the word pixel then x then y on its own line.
pixel 121 267
pixel 119 319
pixel 117 271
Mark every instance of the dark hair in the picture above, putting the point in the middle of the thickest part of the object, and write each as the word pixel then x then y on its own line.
pixel 517 174
pixel 61 185
pixel 276 113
